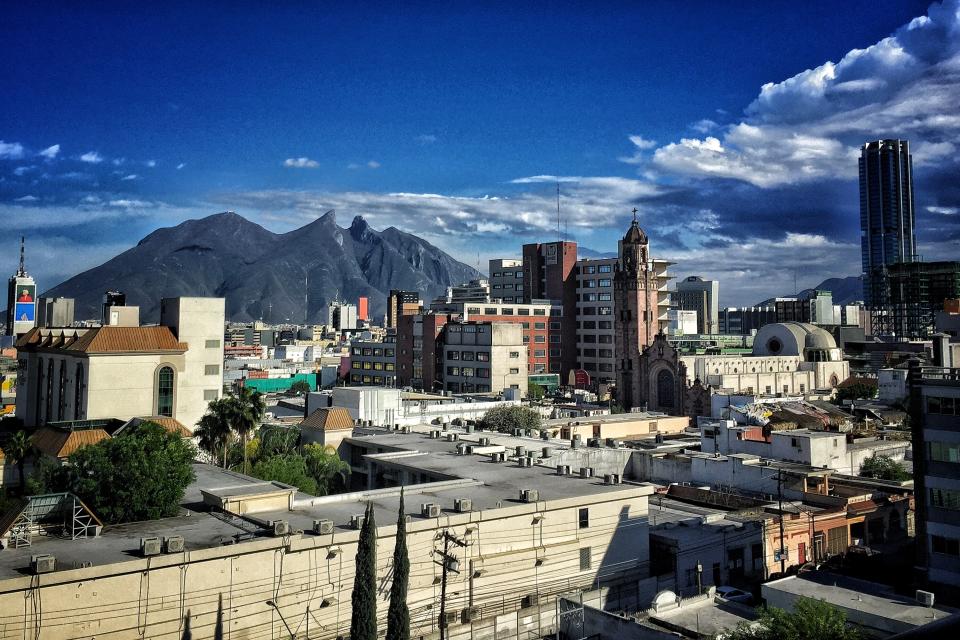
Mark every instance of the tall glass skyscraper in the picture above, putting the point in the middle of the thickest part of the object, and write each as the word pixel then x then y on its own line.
pixel 886 214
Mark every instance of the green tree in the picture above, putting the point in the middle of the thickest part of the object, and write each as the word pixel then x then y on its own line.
pixel 18 449
pixel 300 388
pixel 507 418
pixel 286 468
pixel 363 600
pixel 535 391
pixel 213 431
pixel 856 389
pixel 883 468
pixel 398 615
pixel 246 409
pixel 810 620
pixel 46 477
pixel 326 468
pixel 141 474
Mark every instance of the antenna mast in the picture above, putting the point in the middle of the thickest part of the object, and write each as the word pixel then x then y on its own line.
pixel 22 271
pixel 558 212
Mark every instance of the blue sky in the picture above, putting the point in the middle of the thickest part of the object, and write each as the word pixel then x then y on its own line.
pixel 732 128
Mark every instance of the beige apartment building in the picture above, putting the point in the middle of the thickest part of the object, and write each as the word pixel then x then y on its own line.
pixel 283 563
pixel 484 357
pixel 168 370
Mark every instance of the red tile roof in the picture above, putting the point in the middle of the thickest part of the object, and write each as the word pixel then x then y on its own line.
pixel 332 419
pixel 60 443
pixel 103 340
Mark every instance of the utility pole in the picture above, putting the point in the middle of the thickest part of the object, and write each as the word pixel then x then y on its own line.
pixel 783 560
pixel 447 562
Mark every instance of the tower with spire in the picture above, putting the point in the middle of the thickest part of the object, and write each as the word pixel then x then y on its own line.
pixel 641 303
pixel 21 299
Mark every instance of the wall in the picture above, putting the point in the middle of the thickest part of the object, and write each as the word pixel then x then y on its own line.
pixel 123 386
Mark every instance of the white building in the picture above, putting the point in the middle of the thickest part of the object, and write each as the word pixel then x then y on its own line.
pixel 681 322
pixel 171 370
pixel 702 296
pixel 342 316
pixel 892 385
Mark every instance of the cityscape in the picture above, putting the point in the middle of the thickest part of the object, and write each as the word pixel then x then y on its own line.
pixel 708 389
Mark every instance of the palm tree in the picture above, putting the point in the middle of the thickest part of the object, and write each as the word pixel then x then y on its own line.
pixel 325 466
pixel 213 429
pixel 247 409
pixel 18 449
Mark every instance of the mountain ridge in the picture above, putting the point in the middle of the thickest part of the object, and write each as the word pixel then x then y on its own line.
pixel 267 275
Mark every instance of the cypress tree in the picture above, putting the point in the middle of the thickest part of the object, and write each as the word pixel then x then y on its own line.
pixel 398 617
pixel 363 621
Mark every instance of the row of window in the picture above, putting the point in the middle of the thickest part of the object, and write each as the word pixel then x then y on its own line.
pixel 595 324
pixel 943 451
pixel 509 311
pixel 946 546
pixel 604 367
pixel 357 378
pixel 482 356
pixel 507 274
pixel 373 351
pixel 590 269
pixel 945 499
pixel 602 282
pixel 596 311
pixel 591 338
pixel 510 287
pixel 468 387
pixel 469 372
pixel 468 328
pixel 594 297
pixel 374 366
pixel 943 406
pixel 595 353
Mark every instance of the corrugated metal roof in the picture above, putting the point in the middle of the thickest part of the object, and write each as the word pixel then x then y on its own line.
pixel 170 424
pixel 61 444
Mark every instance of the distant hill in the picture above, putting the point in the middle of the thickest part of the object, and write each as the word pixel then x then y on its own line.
pixel 844 290
pixel 267 275
pixel 584 252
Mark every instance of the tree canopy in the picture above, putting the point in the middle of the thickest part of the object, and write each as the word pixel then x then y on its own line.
pixel 288 468
pixel 300 388
pixel 810 620
pixel 883 467
pixel 141 474
pixel 506 418
pixel 856 389
pixel 535 391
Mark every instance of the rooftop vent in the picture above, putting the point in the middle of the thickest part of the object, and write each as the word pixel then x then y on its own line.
pixel 529 495
pixel 484 441
pixel 520 450
pixel 499 456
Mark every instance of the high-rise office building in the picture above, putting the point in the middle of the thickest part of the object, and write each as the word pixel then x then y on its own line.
pixel 21 300
pixel 887 227
pixel 703 296
pixel 506 279
pixel 402 303
pixel 549 273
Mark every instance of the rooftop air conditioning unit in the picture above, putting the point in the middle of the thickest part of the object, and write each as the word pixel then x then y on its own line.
pixel 484 441
pixel 611 478
pixel 499 456
pixel 520 451
pixel 356 521
pixel 469 428
pixel 435 434
pixel 586 472
pixel 43 563
pixel 322 527
pixel 450 617
pixel 925 598
pixel 529 495
pixel 471 614
pixel 530 600
pixel 518 433
pixel 173 544
pixel 610 442
pixel 544 434
pixel 462 505
pixel 563 470
pixel 547 452
pixel 452 437
pixel 150 546
pixel 430 510
pixel 280 527
pixel 525 462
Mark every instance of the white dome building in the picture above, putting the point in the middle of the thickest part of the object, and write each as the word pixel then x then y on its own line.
pixel 812 343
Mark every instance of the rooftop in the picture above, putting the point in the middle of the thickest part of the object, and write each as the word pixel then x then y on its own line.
pixel 107 339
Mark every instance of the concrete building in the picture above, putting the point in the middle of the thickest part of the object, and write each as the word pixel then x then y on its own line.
pixel 916 293
pixel 506 279
pixel 342 316
pixel 170 370
pixel 483 357
pixel 935 422
pixel 682 323
pixel 595 316
pixel 703 296
pixel 642 301
pixel 55 312
pixel 892 385
pixel 374 362
pixel 549 273
pixel 402 303
pixel 527 537
pixel 746 320
pixel 473 291
pixel 822 449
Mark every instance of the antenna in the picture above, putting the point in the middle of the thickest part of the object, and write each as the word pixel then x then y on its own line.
pixel 558 211
pixel 22 271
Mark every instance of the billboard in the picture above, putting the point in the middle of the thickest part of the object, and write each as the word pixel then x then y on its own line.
pixel 25 303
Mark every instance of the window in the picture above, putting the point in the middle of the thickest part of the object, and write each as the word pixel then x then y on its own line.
pixel 514 354
pixel 453 371
pixel 585 559
pixel 945 499
pixel 525 325
pixel 590 269
pixel 605 297
pixel 523 311
pixel 389 366
pixel 583 515
pixel 539 325
pixel 803 388
pixel 944 545
pixel 211 370
pixel 540 353
pixel 378 353
pixel 213 344
pixel 497 286
pixel 453 355
pixel 483 372
pixel 518 274
pixel 605 339
pixel 367 365
pixel 490 311
pixel 514 370
pixel 540 339
pixel 48 414
pixel 355 351
pixel 165 392
pixel 943 451
pixel 589 324
pixel 78 394
pixel 554 353
pixel 555 339
pixel 390 353
pixel 506 312
pixel 605 324
pixel 539 312
pixel 589 284
pixel 606 268
pixel 518 287
pixel 606 353
pixel 378 366
pixel 483 356
pixel 209 394
pixel 467 372
pixel 604 282
pixel 590 338
pixel 554 326
pixel 467 355
pixel 605 311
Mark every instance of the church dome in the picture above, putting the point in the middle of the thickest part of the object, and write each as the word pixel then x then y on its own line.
pixel 635 234
pixel 819 339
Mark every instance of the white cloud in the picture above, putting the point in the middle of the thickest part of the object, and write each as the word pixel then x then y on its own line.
pixel 181 165
pixel 130 176
pixel 640 144
pixel 373 164
pixel 643 143
pixel 704 126
pixel 944 211
pixel 27 199
pixel 92 157
pixel 11 150
pixel 151 163
pixel 809 127
pixel 19 171
pixel 50 152
pixel 118 161
pixel 301 163
pixel 426 138
pixel 130 204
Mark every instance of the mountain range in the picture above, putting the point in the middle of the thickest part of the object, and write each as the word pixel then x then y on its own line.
pixel 844 290
pixel 277 277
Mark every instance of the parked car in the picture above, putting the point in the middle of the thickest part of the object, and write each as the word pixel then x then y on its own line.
pixel 734 595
